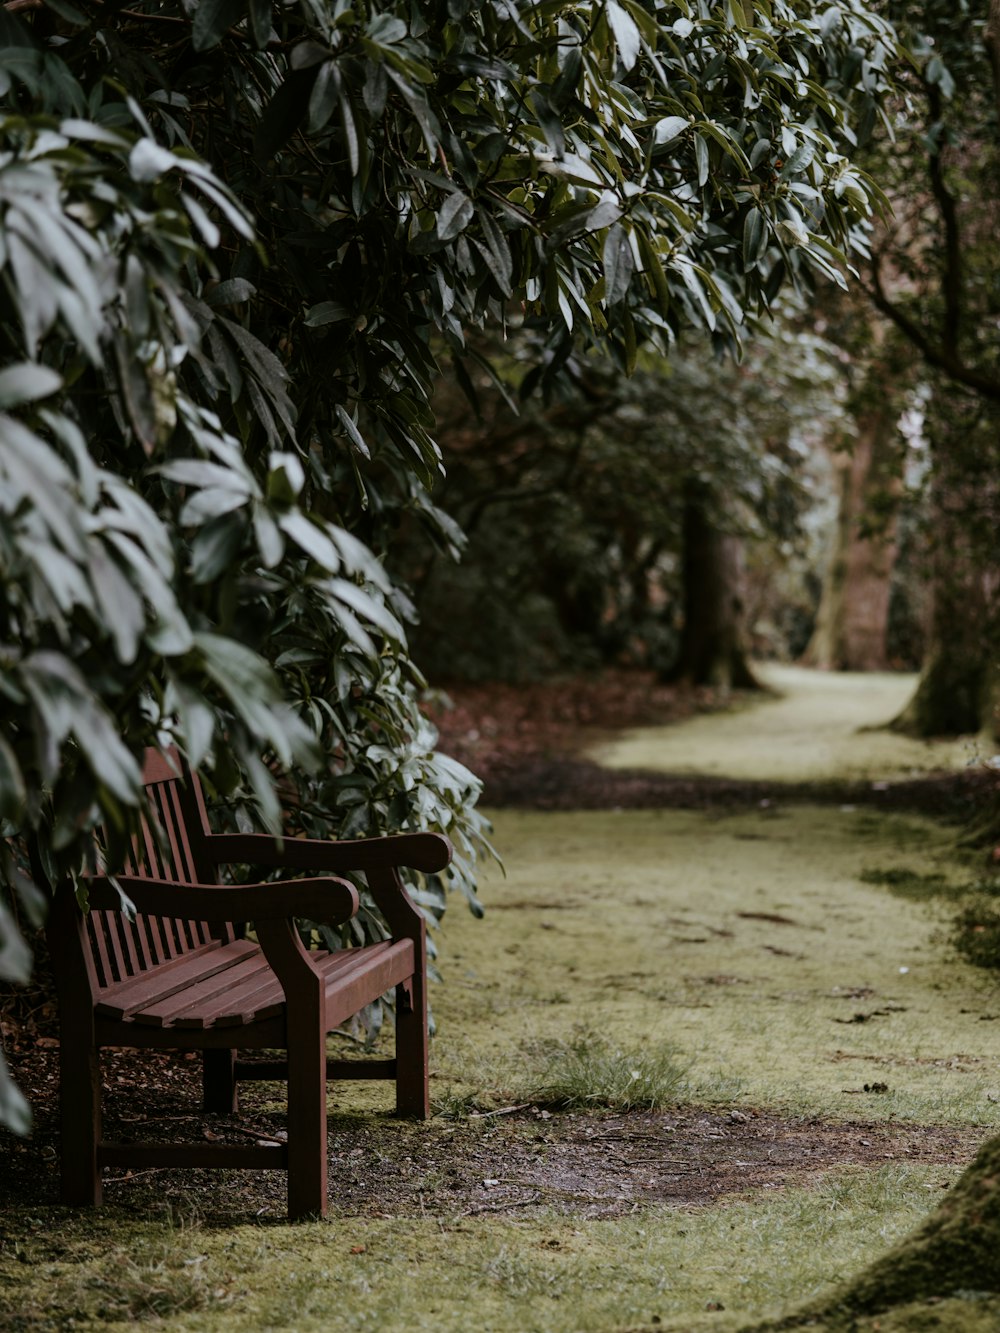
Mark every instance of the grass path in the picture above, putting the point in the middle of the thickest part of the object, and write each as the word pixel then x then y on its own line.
pixel 819 727
pixel 771 962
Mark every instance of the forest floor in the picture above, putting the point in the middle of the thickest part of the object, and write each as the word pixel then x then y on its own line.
pixel 710 1049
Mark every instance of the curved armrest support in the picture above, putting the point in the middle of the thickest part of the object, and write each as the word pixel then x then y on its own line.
pixel 324 900
pixel 429 852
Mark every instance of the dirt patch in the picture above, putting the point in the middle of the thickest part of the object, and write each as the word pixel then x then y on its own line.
pixel 588 1164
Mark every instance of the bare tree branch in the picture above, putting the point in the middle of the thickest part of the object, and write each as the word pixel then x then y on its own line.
pixel 936 354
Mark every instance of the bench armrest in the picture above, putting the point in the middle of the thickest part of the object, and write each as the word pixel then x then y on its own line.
pixel 323 900
pixel 429 852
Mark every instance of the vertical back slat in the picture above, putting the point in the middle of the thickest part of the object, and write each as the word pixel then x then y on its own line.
pixel 162 851
pixel 129 953
pixel 96 927
pixel 140 932
pixel 107 925
pixel 172 819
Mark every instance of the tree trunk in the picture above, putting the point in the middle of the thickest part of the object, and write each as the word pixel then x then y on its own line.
pixel 852 623
pixel 959 686
pixel 712 650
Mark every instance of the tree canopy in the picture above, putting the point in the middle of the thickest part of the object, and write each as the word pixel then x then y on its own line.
pixel 238 245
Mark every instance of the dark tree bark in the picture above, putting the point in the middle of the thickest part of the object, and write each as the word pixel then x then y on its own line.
pixel 712 649
pixel 959 686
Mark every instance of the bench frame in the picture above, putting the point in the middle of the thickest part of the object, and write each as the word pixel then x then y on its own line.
pixel 188 930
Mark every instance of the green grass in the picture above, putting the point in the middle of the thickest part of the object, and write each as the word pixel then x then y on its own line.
pixel 550 1272
pixel 752 947
pixel 628 959
pixel 589 1071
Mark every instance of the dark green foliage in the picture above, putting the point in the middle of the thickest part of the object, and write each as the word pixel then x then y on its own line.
pixel 235 239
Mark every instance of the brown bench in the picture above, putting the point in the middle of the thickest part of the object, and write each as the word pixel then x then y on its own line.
pixel 183 976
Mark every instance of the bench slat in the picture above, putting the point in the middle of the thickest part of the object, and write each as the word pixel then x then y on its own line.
pixel 123 1000
pixel 198 1000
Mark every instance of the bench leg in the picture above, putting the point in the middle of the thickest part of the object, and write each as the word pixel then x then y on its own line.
pixel 412 1097
pixel 218 1082
pixel 80 1121
pixel 307 1178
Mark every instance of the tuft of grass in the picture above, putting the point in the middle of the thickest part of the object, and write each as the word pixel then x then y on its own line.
pixel 591 1071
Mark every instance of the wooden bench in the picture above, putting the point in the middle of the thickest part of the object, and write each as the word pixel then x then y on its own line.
pixel 183 976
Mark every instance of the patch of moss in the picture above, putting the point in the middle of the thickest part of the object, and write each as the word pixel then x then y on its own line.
pixel 907 883
pixel 976 933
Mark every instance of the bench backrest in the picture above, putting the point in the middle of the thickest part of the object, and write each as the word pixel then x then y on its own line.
pixel 165 850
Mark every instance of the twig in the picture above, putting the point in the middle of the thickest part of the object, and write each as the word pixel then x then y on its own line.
pixel 504 1110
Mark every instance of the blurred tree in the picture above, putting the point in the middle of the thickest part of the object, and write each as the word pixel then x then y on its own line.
pixel 608 525
pixel 852 621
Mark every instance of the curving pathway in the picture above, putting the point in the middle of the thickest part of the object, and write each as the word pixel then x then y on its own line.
pixel 818 726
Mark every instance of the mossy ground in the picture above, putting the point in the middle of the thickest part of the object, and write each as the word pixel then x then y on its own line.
pixel 549 1273
pixel 742 963
pixel 750 945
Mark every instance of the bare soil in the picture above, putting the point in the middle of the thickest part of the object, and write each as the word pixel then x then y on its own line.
pixel 508 1162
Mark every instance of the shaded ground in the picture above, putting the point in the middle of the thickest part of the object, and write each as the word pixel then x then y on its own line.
pixel 756 935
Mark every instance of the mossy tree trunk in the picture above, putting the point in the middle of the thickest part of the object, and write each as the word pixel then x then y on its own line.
pixel 955 1254
pixel 959 686
pixel 712 644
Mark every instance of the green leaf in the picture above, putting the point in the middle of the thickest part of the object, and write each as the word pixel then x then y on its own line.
pixel 212 20
pixel 283 114
pixel 454 216
pixel 798 161
pixel 148 161
pixel 353 434
pixel 260 22
pixel 670 128
pixel 26 382
pixel 15 1112
pixel 12 788
pixel 234 291
pixel 326 312
pixel 618 265
pixel 311 538
pixel 754 238
pixel 626 33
